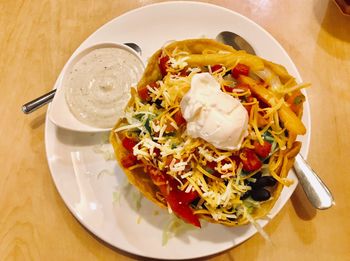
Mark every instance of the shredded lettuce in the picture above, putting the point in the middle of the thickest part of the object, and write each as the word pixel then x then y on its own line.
pixel 259 228
pixel 122 189
pixel 116 196
pixel 173 228
pixel 137 198
pixel 105 172
pixel 106 150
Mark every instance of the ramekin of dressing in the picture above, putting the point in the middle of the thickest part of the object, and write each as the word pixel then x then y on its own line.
pixel 95 87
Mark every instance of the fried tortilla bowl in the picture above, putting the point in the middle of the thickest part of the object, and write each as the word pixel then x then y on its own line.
pixel 190 176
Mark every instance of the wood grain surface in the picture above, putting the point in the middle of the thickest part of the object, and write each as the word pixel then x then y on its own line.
pixel 36 39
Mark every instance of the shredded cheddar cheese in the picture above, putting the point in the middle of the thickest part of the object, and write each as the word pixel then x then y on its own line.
pixel 219 177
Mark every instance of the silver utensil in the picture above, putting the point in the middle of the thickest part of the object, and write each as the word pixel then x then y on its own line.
pixel 135 47
pixel 314 188
pixel 236 41
pixel 47 97
pixel 38 102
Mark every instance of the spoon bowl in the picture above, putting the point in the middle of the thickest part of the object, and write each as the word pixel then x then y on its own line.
pixel 236 41
pixel 60 112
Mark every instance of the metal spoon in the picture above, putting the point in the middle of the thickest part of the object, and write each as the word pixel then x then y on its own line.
pixel 314 188
pixel 236 41
pixel 48 97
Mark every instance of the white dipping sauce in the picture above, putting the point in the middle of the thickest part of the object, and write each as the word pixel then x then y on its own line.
pixel 98 86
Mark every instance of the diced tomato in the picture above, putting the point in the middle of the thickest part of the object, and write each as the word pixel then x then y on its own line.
pixel 178 200
pixel 262 150
pixel 179 119
pixel 182 196
pixel 228 88
pixel 183 210
pixel 240 69
pixel 250 160
pixel 143 90
pixel 128 143
pixel 163 65
pixel 216 67
pixel 128 160
pixel 143 93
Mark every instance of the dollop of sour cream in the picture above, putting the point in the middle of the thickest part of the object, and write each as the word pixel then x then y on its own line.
pixel 213 115
pixel 98 85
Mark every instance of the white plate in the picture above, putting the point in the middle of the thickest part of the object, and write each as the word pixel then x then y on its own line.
pixel 92 198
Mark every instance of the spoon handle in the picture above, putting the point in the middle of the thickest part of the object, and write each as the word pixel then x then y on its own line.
pixel 316 191
pixel 38 102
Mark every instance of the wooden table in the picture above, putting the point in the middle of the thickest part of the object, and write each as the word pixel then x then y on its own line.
pixel 36 39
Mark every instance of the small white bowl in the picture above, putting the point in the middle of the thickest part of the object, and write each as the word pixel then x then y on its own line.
pixel 59 112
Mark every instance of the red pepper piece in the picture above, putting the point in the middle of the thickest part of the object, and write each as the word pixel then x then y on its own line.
pixel 183 210
pixel 240 69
